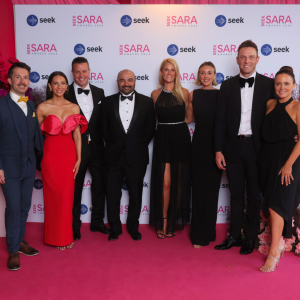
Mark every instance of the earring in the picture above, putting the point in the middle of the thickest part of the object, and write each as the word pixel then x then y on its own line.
pixel 50 90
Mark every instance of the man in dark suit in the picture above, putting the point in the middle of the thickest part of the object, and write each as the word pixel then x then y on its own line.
pixel 89 99
pixel 20 135
pixel 240 112
pixel 128 125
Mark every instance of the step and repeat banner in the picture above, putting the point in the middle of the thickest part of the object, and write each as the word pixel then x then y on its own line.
pixel 139 37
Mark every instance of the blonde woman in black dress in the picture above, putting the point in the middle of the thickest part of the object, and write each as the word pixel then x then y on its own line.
pixel 206 176
pixel 170 180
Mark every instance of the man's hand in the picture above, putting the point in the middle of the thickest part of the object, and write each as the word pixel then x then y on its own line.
pixel 220 161
pixel 2 178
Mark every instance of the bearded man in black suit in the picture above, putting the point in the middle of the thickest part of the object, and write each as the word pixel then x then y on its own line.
pixel 89 98
pixel 128 125
pixel 240 112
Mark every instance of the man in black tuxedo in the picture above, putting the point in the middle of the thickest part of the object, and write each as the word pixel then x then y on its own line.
pixel 89 99
pixel 128 125
pixel 240 112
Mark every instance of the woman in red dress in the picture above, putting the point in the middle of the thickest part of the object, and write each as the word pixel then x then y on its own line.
pixel 62 125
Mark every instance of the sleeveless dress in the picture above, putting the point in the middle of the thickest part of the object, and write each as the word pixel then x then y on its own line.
pixel 278 132
pixel 58 177
pixel 206 176
pixel 172 144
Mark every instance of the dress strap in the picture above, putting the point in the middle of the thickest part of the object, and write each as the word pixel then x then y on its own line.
pixel 284 104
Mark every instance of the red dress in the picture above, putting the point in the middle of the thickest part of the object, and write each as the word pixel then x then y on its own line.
pixel 58 177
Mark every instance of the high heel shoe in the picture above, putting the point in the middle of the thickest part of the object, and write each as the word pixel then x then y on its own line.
pixel 265 269
pixel 281 251
pixel 162 234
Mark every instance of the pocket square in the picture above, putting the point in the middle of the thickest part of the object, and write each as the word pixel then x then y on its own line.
pixel 33 114
pixel 99 102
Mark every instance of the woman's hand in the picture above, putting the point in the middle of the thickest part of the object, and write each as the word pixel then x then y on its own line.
pixel 286 174
pixel 76 167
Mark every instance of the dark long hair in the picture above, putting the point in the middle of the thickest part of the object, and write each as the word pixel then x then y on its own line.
pixel 49 94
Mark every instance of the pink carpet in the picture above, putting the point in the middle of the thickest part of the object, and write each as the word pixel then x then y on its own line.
pixel 148 269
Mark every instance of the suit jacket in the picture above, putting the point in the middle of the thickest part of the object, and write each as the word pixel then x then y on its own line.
pixel 228 114
pixel 135 142
pixel 12 140
pixel 94 123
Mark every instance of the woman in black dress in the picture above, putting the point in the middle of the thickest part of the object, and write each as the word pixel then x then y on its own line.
pixel 206 176
pixel 279 164
pixel 170 179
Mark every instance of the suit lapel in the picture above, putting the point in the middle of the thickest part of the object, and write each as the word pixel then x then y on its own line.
pixel 95 99
pixel 117 113
pixel 136 110
pixel 73 97
pixel 13 107
pixel 237 96
pixel 256 93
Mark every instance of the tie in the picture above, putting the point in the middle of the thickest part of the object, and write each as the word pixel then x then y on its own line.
pixel 25 99
pixel 80 91
pixel 244 80
pixel 130 97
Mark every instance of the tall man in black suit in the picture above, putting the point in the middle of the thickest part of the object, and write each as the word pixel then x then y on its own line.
pixel 89 99
pixel 128 125
pixel 240 112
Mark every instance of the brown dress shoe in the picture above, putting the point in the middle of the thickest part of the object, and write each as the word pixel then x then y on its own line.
pixel 27 250
pixel 13 263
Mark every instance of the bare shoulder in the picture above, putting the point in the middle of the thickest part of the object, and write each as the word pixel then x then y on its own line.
pixel 42 107
pixel 191 96
pixel 296 106
pixel 75 108
pixel 155 94
pixel 271 104
pixel 185 92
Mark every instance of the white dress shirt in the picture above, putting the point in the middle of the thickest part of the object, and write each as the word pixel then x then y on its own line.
pixel 246 105
pixel 22 104
pixel 126 109
pixel 85 102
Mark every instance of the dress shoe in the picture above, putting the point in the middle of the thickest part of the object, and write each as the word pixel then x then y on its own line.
pixel 101 228
pixel 76 235
pixel 27 250
pixel 13 263
pixel 114 235
pixel 247 247
pixel 136 235
pixel 229 243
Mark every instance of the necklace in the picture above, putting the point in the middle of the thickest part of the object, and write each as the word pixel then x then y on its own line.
pixel 165 90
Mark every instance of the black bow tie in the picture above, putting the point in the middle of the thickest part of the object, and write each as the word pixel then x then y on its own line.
pixel 80 91
pixel 127 97
pixel 244 80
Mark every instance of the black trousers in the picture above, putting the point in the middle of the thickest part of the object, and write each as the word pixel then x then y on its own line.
pixel 242 172
pixel 114 181
pixel 95 166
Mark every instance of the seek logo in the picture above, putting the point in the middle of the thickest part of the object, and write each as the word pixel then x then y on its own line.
pixel 174 49
pixel 33 20
pixel 143 77
pixel 126 20
pixel 267 49
pixel 221 20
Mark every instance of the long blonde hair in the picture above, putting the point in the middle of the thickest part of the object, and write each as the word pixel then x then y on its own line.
pixel 210 64
pixel 177 89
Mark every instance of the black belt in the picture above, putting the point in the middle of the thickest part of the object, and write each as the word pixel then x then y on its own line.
pixel 243 137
